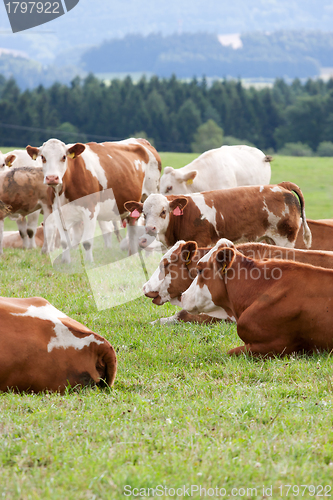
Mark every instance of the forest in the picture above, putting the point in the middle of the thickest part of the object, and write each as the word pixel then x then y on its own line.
pixel 168 111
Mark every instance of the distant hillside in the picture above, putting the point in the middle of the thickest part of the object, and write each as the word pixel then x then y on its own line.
pixel 92 22
pixel 268 55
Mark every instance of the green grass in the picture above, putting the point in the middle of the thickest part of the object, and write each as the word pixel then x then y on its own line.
pixel 181 411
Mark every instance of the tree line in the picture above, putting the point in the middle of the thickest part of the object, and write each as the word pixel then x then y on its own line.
pixel 169 111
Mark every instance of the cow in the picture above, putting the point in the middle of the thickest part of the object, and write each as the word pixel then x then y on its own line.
pixel 178 268
pixel 322 235
pixel 280 307
pixel 27 226
pixel 104 176
pixel 221 168
pixel 42 349
pixel 253 213
pixel 22 189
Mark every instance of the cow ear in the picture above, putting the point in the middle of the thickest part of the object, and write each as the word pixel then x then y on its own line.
pixel 76 150
pixel 190 176
pixel 33 152
pixel 189 250
pixel 133 205
pixel 9 160
pixel 168 170
pixel 225 258
pixel 179 202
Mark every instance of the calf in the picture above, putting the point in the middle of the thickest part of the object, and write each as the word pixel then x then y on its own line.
pixel 96 179
pixel 221 168
pixel 255 213
pixel 23 191
pixel 280 306
pixel 43 349
pixel 178 268
pixel 322 235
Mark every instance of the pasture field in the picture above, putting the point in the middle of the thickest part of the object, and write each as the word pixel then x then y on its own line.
pixel 182 413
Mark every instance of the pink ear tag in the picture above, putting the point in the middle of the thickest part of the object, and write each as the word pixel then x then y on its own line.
pixel 178 211
pixel 135 214
pixel 124 223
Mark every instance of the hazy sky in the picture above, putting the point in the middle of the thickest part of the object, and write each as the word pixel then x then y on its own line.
pixel 93 21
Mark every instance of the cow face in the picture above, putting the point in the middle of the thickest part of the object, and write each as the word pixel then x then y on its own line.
pixel 157 210
pixel 208 292
pixel 151 182
pixel 177 182
pixel 54 155
pixel 172 276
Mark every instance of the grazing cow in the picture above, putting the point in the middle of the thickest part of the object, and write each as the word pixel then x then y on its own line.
pixel 221 168
pixel 254 213
pixel 178 268
pixel 104 176
pixel 43 349
pixel 280 306
pixel 23 191
pixel 322 235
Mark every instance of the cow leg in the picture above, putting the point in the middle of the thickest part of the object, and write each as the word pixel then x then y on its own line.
pixel 32 223
pixel 275 347
pixel 22 227
pixel 49 228
pixel 185 317
pixel 107 232
pixel 132 236
pixel 88 237
pixel 2 223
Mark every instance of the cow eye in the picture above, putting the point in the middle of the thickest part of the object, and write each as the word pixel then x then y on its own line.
pixel 199 272
pixel 63 158
pixel 162 214
pixel 43 159
pixel 169 188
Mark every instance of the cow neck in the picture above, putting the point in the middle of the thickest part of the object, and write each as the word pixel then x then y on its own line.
pixel 192 264
pixel 78 181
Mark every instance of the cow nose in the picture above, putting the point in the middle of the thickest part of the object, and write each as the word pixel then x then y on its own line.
pixel 52 180
pixel 151 230
pixel 143 242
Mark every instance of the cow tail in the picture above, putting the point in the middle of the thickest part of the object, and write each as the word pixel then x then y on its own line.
pixel 268 158
pixel 110 360
pixel 307 236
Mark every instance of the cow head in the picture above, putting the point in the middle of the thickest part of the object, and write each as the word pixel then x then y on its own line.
pixel 6 161
pixel 172 277
pixel 156 211
pixel 54 155
pixel 177 182
pixel 208 292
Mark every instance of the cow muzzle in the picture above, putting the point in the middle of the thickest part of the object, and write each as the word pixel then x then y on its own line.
pixel 52 180
pixel 155 296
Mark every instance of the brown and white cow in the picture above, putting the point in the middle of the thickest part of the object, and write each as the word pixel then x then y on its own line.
pixel 22 189
pixel 178 269
pixel 254 213
pixel 43 349
pixel 322 235
pixel 104 176
pixel 280 306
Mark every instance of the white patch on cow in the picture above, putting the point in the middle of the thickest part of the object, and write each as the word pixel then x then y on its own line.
pixel 276 189
pixel 64 337
pixel 272 231
pixel 139 165
pixel 108 154
pixel 208 213
pixel 199 299
pixel 152 208
pixel 92 164
pixel 261 189
pixel 159 282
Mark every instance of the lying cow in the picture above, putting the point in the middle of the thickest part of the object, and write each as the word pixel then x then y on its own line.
pixel 280 307
pixel 255 213
pixel 322 235
pixel 24 192
pixel 97 179
pixel 178 269
pixel 221 168
pixel 43 349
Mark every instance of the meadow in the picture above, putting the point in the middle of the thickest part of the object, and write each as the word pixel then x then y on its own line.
pixel 182 414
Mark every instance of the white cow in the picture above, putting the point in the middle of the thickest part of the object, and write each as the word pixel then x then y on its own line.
pixel 222 168
pixel 27 225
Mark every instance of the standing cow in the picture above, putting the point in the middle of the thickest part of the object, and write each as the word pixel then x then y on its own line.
pixel 99 179
pixel 222 168
pixel 255 213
